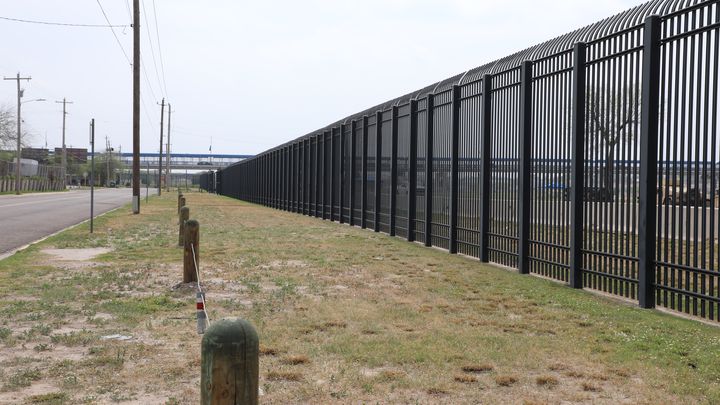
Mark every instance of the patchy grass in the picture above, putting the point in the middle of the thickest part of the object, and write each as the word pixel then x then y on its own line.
pixel 343 314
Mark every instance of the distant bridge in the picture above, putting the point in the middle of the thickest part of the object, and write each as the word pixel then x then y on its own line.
pixel 185 161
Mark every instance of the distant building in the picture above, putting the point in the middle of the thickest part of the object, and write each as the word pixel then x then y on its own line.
pixel 41 155
pixel 77 155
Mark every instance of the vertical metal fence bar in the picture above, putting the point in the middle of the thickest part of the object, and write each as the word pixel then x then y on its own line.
pixel 412 172
pixel 454 141
pixel 577 166
pixel 393 168
pixel 486 151
pixel 363 191
pixel 648 160
pixel 353 153
pixel 341 203
pixel 332 174
pixel 525 167
pixel 317 177
pixel 323 173
pixel 430 108
pixel 378 168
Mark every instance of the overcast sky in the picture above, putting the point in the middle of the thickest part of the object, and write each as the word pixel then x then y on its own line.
pixel 254 74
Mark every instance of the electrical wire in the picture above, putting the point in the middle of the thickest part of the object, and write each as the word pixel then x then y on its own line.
pixel 113 32
pixel 157 34
pixel 152 50
pixel 108 25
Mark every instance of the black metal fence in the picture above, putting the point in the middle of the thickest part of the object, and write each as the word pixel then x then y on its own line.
pixel 591 159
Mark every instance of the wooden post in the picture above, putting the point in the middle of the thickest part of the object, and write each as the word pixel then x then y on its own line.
pixel 181 201
pixel 183 217
pixel 229 364
pixel 192 245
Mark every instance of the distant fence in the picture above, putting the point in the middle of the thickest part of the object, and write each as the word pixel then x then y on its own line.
pixel 33 177
pixel 488 163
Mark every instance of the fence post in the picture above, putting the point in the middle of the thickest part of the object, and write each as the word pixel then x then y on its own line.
pixel 181 202
pixel 363 191
pixel 332 175
pixel 378 168
pixel 353 168
pixel 412 172
pixel 229 364
pixel 485 168
pixel 524 203
pixel 393 167
pixel 429 169
pixel 296 177
pixel 341 172
pixel 648 161
pixel 454 141
pixel 184 215
pixel 324 173
pixel 577 166
pixel 191 251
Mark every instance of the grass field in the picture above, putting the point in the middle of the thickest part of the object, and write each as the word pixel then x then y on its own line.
pixel 344 316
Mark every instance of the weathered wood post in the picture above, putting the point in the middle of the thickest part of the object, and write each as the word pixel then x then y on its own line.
pixel 181 202
pixel 229 364
pixel 191 254
pixel 182 218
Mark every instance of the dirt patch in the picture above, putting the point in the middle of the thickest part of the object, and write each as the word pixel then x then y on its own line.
pixel 76 254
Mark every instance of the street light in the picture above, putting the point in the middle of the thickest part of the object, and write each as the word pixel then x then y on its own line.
pixel 19 145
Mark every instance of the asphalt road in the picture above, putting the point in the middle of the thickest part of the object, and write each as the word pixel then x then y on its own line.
pixel 29 217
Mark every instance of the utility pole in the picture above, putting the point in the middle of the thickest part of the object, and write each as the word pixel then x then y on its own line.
pixel 19 120
pixel 64 150
pixel 92 173
pixel 167 151
pixel 160 165
pixel 136 107
pixel 107 161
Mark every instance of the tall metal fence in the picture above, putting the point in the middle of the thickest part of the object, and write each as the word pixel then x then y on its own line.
pixel 591 159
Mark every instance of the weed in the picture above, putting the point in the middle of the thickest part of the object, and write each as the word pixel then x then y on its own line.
pixel 295 360
pixel 53 398
pixel 546 381
pixel 283 376
pixel 505 380
pixel 477 368
pixel 464 378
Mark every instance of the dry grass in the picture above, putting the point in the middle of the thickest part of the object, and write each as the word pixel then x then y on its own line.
pixel 344 315
pixel 295 360
pixel 477 368
pixel 464 378
pixel 505 380
pixel 283 376
pixel 546 381
pixel 588 386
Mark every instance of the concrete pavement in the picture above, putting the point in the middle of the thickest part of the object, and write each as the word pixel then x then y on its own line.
pixel 29 217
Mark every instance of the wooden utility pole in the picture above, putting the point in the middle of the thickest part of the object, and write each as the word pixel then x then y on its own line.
pixel 167 151
pixel 160 165
pixel 136 107
pixel 64 150
pixel 19 120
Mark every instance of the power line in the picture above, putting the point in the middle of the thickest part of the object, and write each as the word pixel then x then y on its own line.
pixel 108 25
pixel 157 34
pixel 152 49
pixel 127 3
pixel 147 79
pixel 113 32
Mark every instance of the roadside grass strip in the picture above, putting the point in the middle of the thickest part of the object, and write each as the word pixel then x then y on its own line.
pixel 344 315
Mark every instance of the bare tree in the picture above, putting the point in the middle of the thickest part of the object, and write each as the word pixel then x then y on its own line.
pixel 612 115
pixel 8 129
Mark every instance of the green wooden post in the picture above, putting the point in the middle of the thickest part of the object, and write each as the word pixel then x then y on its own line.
pixel 183 216
pixel 229 364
